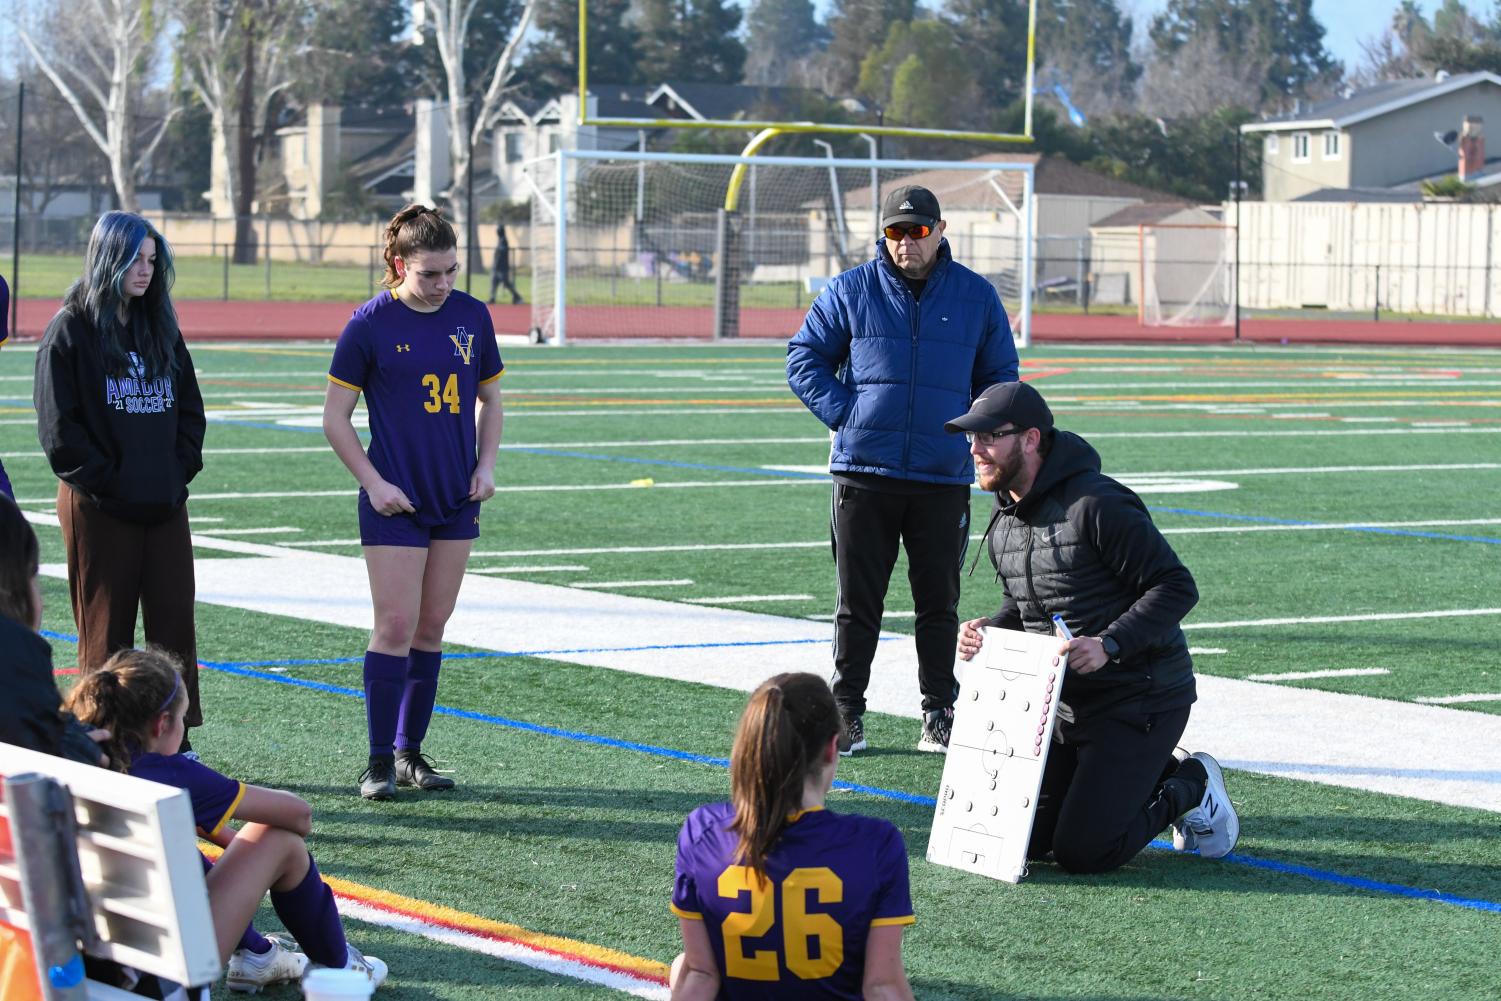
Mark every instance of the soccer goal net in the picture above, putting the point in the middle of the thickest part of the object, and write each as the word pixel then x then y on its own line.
pixel 627 244
pixel 1187 275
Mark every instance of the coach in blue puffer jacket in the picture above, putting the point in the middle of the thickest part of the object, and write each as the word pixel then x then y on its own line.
pixel 887 353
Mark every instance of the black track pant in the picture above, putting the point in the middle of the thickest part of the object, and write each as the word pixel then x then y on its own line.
pixel 1109 789
pixel 866 526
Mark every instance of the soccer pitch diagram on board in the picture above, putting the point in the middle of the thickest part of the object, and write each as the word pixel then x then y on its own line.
pixel 1003 727
pixel 629 244
pixel 1187 275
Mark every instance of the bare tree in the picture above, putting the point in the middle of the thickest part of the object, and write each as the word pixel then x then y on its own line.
pixel 469 119
pixel 94 51
pixel 238 56
pixel 1200 77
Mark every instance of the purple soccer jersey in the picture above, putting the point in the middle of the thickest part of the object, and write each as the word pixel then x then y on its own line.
pixel 420 374
pixel 214 796
pixel 801 935
pixel 4 336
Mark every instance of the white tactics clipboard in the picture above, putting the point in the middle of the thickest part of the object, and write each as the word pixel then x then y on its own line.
pixel 1003 727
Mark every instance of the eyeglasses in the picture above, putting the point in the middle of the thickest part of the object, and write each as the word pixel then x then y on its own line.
pixel 991 437
pixel 917 231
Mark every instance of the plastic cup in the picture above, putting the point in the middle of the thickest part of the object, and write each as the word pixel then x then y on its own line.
pixel 337 985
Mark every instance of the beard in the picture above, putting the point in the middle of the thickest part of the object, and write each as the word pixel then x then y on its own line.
pixel 1000 472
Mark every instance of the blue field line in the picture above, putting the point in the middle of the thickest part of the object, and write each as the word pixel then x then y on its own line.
pixel 1371 529
pixel 245 670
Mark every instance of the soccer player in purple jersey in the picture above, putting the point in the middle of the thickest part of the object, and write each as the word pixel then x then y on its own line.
pixel 424 356
pixel 139 697
pixel 777 897
pixel 5 487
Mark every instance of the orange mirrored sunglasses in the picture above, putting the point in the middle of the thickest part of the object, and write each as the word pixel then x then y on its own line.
pixel 916 230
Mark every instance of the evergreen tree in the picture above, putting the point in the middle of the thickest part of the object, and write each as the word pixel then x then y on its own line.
pixel 992 36
pixel 691 40
pixel 856 29
pixel 780 37
pixel 358 54
pixel 1281 34
pixel 551 65
pixel 1085 46
pixel 920 77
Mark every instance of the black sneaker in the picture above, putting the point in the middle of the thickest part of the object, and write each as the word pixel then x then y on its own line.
pixel 413 768
pixel 378 780
pixel 937 725
pixel 852 737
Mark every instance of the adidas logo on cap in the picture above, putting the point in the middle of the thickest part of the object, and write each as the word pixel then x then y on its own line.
pixel 905 207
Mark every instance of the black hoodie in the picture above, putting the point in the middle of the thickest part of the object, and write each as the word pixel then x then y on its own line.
pixel 1083 546
pixel 127 443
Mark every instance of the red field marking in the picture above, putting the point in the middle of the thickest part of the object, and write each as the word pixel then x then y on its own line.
pixel 208 319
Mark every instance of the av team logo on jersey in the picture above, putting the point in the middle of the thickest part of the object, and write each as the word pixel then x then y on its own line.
pixel 463 345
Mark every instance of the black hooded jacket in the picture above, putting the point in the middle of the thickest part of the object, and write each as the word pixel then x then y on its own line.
pixel 128 443
pixel 1083 546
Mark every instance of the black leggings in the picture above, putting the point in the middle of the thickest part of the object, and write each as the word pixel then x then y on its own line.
pixel 1109 789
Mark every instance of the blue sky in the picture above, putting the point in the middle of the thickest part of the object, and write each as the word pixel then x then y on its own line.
pixel 1346 22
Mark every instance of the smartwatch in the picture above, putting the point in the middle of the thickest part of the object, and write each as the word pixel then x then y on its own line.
pixel 1112 649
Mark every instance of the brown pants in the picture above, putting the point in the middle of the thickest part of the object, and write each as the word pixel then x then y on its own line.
pixel 116 566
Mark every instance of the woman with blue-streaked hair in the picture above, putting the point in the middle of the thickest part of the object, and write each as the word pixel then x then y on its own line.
pixel 121 420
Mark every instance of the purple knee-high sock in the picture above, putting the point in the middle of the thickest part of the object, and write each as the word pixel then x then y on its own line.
pixel 418 698
pixel 311 916
pixel 252 939
pixel 385 674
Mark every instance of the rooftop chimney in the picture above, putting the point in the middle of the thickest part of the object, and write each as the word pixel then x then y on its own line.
pixel 1471 147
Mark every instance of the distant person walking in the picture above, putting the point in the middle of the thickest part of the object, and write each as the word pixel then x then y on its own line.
pixel 889 351
pixel 500 266
pixel 121 421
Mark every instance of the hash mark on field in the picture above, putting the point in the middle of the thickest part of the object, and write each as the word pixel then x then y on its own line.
pixel 276 530
pixel 1452 613
pixel 1452 700
pixel 747 599
pixel 1203 651
pixel 589 586
pixel 562 567
pixel 1343 672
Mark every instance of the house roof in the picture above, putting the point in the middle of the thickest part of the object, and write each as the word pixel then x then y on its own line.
pixel 1398 196
pixel 1372 102
pixel 725 101
pixel 972 190
pixel 1144 214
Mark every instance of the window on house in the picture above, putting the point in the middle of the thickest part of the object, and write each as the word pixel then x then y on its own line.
pixel 1301 145
pixel 1272 144
pixel 1331 145
pixel 554 140
pixel 513 147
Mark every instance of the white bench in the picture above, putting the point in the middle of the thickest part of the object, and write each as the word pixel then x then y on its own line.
pixel 121 850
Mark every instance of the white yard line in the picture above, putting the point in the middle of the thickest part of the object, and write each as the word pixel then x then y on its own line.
pixel 747 599
pixel 612 584
pixel 278 530
pixel 559 568
pixel 1345 672
pixel 1452 613
pixel 1451 700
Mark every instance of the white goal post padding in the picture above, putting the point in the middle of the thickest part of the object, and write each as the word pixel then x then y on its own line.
pixel 638 244
pixel 1187 275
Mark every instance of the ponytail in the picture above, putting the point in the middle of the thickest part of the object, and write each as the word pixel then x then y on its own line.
pixel 786 725
pixel 412 230
pixel 125 697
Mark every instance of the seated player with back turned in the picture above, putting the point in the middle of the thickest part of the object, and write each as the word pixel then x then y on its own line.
pixel 778 897
pixel 1065 539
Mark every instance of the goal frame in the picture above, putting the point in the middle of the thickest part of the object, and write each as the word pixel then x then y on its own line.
pixel 1021 326
pixel 1229 262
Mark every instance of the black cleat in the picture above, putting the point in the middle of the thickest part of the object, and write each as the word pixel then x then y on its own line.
pixel 937 726
pixel 378 780
pixel 414 769
pixel 852 737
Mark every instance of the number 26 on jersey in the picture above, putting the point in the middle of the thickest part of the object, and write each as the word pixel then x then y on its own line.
pixel 800 928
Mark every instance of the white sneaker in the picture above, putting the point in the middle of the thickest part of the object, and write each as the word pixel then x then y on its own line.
pixel 250 973
pixel 371 967
pixel 1184 839
pixel 1214 823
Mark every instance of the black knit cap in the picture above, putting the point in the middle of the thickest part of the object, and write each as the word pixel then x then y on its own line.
pixel 1015 403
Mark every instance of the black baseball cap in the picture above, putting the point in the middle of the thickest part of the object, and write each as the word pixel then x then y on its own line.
pixel 1015 403
pixel 910 203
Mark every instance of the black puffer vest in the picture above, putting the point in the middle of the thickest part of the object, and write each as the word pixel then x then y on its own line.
pixel 1083 546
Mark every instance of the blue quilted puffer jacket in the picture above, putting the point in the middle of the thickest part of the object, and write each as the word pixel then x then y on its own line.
pixel 885 371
